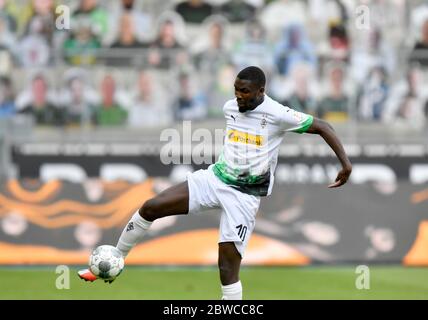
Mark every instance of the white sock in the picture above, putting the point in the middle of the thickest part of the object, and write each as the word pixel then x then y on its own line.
pixel 134 230
pixel 232 291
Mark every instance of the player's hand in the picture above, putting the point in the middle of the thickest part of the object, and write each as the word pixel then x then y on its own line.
pixel 342 177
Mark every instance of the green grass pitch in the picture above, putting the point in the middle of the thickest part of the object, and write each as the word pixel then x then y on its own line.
pixel 163 283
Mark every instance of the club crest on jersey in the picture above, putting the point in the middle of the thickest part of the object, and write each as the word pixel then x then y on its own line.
pixel 263 122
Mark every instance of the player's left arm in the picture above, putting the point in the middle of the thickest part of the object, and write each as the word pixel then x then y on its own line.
pixel 326 131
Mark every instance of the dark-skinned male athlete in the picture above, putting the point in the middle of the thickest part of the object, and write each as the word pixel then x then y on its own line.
pixel 244 173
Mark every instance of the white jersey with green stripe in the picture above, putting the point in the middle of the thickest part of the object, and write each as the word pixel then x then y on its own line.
pixel 251 144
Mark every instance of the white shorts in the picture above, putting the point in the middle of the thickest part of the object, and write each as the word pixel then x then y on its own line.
pixel 239 209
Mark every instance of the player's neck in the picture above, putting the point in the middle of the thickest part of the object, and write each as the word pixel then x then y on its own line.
pixel 257 103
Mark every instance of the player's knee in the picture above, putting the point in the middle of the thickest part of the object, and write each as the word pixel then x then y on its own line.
pixel 228 274
pixel 225 270
pixel 149 210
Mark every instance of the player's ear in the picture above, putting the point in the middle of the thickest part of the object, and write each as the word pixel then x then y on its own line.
pixel 262 90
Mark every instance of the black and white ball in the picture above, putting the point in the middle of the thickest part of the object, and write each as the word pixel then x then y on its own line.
pixel 106 262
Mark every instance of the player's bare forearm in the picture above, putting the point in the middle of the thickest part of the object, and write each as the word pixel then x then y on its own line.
pixel 326 131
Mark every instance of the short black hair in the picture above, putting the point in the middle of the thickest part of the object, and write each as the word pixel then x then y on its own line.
pixel 253 74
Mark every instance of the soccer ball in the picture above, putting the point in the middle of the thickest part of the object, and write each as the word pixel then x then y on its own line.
pixel 106 262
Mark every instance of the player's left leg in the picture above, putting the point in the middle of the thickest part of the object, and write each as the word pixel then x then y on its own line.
pixel 229 263
pixel 237 223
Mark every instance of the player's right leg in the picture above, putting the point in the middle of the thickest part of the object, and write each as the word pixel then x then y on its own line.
pixel 172 201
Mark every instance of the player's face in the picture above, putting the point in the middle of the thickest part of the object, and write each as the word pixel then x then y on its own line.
pixel 248 94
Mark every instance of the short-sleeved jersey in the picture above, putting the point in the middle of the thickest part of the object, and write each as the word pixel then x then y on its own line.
pixel 251 144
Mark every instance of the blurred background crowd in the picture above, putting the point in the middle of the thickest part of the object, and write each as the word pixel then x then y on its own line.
pixel 149 63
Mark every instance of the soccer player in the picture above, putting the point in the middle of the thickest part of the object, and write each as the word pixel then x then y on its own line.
pixel 242 175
